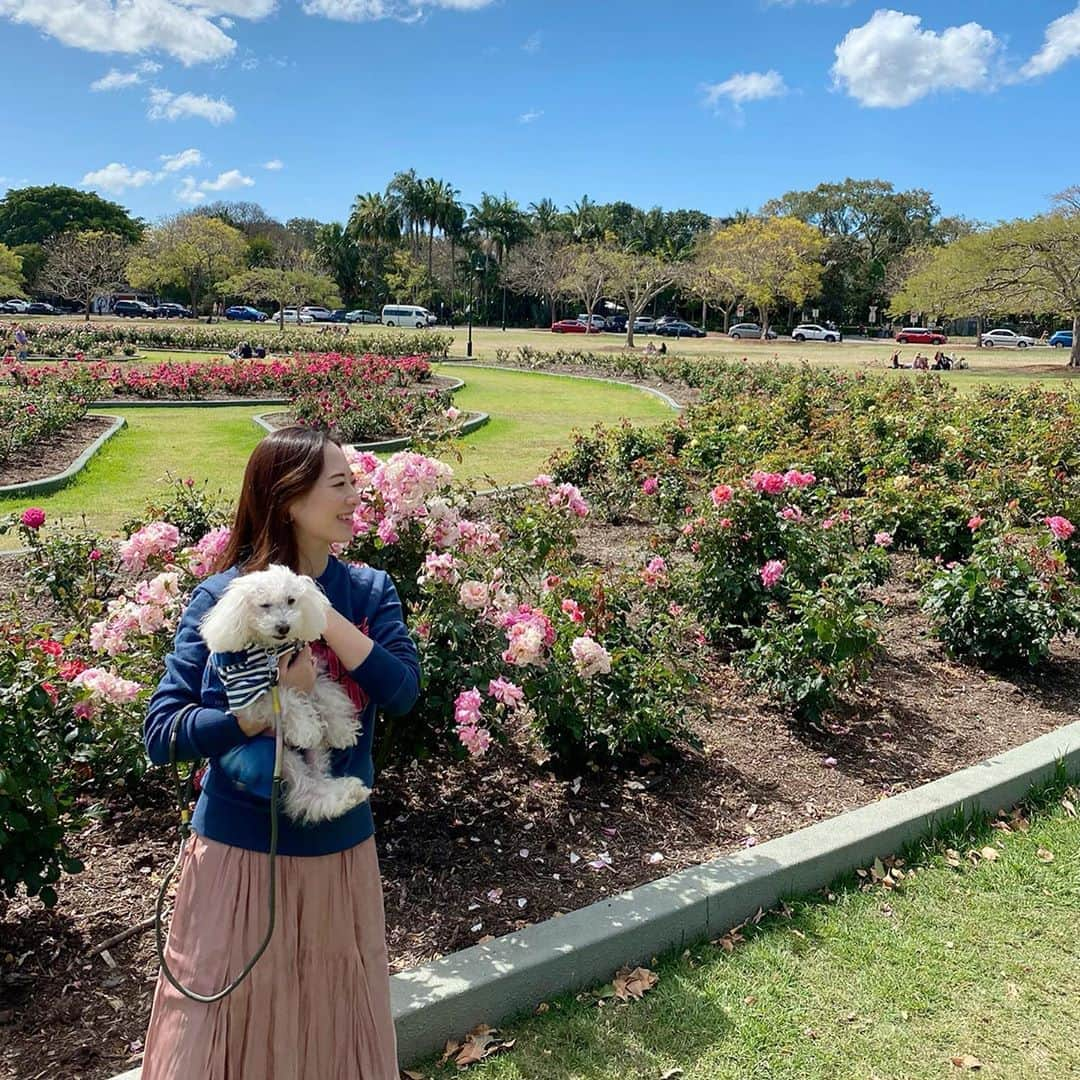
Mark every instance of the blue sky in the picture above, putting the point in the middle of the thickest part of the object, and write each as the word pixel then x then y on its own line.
pixel 301 104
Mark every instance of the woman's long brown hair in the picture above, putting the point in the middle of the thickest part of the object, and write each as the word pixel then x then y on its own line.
pixel 284 466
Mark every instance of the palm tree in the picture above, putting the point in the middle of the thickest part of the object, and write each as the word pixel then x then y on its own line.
pixel 337 250
pixel 586 220
pixel 375 224
pixel 408 191
pixel 545 216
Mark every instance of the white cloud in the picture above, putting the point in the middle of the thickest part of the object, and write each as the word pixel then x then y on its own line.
pixel 227 181
pixel 1061 44
pixel 185 159
pixel 530 116
pixel 369 10
pixel 181 28
pixel 225 23
pixel 746 86
pixel 116 178
pixel 116 80
pixel 890 62
pixel 274 164
pixel 534 42
pixel 165 105
pixel 189 192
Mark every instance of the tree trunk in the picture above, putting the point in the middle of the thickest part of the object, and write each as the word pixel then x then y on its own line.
pixel 978 332
pixel 1074 356
pixel 704 311
pixel 764 324
pixel 631 315
pixel 89 299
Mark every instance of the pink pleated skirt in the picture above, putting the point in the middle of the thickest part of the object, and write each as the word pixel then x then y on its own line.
pixel 316 1006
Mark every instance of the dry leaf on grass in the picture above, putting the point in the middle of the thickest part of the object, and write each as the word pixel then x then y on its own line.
pixel 481 1043
pixel 671 1074
pixel 966 1061
pixel 1069 806
pixel 952 857
pixel 633 985
pixel 990 854
pixel 1044 855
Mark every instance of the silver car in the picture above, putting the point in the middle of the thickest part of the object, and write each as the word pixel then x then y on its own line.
pixel 1007 338
pixel 644 325
pixel 748 330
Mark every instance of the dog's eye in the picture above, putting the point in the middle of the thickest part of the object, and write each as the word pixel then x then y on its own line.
pixel 292 600
pixel 265 607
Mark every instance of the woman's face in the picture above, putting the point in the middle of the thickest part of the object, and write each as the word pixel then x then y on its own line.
pixel 324 514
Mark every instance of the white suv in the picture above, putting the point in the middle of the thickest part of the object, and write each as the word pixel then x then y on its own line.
pixel 1009 338
pixel 814 332
pixel 597 321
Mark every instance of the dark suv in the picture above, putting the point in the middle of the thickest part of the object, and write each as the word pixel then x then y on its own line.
pixel 133 309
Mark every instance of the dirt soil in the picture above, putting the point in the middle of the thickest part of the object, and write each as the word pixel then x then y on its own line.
pixel 473 852
pixel 53 455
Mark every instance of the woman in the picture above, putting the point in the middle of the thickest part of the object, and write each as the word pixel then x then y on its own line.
pixel 317 1004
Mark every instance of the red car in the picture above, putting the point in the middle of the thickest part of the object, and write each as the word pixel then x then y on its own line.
pixel 572 326
pixel 918 335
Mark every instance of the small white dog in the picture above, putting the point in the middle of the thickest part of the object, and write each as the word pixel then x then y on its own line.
pixel 258 617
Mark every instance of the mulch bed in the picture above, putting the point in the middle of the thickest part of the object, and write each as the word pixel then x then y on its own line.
pixel 469 852
pixel 53 455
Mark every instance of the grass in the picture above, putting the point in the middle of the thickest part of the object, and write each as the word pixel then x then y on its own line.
pixel 532 415
pixel 983 960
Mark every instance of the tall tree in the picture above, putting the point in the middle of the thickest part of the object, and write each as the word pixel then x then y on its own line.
pixel 286 288
pixel 11 279
pixel 340 255
pixel 587 277
pixel 32 215
pixel 540 267
pixel 192 252
pixel 712 277
pixel 774 259
pixel 635 280
pixel 82 265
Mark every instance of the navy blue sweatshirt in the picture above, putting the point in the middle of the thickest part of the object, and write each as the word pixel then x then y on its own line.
pixel 389 679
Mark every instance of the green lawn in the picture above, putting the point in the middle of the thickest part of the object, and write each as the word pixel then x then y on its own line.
pixel 983 960
pixel 532 414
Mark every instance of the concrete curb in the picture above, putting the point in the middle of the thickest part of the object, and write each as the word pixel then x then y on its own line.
pixel 511 975
pixel 476 420
pixel 665 398
pixel 59 480
pixel 192 403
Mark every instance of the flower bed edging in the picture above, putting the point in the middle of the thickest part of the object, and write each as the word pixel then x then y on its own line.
pixel 665 398
pixel 475 420
pixel 190 403
pixel 59 480
pixel 509 976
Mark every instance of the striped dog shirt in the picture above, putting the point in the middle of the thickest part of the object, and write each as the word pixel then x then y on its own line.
pixel 248 675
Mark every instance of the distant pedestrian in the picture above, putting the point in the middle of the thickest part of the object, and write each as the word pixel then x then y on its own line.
pixel 22 343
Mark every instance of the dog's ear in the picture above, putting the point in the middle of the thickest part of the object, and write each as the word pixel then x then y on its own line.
pixel 313 606
pixel 226 626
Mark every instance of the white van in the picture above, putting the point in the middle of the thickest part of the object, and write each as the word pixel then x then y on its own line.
pixel 407 315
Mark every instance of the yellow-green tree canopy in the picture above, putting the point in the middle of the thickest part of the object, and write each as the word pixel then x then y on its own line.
pixel 10 272
pixel 769 260
pixel 1028 266
pixel 287 288
pixel 191 252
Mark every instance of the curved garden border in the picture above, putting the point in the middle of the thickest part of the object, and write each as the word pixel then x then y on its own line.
pixel 474 420
pixel 61 480
pixel 507 977
pixel 665 398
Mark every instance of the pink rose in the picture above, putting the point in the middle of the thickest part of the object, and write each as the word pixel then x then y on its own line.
pixel 883 539
pixel 34 517
pixel 721 494
pixel 772 572
pixel 974 522
pixel 650 486
pixel 1061 527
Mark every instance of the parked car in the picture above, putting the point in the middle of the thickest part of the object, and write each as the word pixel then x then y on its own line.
pixel 920 335
pixel 407 315
pixel 39 307
pixel 615 324
pixel 291 315
pixel 14 306
pixel 750 330
pixel 572 326
pixel 133 309
pixel 814 332
pixel 596 321
pixel 243 313
pixel 1061 339
pixel 666 319
pixel 644 324
pixel 338 315
pixel 361 316
pixel 318 313
pixel 169 310
pixel 1008 339
pixel 678 328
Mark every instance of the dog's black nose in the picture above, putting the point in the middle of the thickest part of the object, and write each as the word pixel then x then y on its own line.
pixel 282 629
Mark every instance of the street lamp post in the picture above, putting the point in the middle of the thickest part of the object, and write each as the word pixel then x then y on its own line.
pixel 473 268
